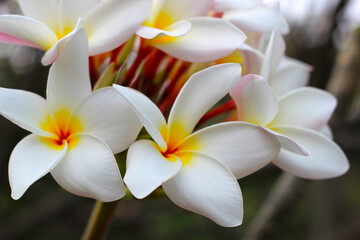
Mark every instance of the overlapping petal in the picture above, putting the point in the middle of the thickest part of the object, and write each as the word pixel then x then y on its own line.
pixel 32 158
pixel 51 54
pixel 290 74
pixel 273 55
pixel 206 187
pixel 44 11
pixel 68 82
pixel 89 169
pixel 208 39
pixel 26 31
pixel 177 10
pixel 307 107
pixel 148 113
pixel 25 109
pixel 255 101
pixel 112 22
pixel 327 160
pixel 258 19
pixel 288 143
pixel 108 116
pixel 175 30
pixel 147 168
pixel 199 94
pixel 241 147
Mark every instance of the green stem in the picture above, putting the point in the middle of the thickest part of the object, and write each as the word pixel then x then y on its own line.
pixel 100 220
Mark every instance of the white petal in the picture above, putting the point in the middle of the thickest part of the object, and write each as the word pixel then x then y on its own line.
pixel 242 147
pixel 327 132
pixel 147 112
pixel 112 22
pixel 89 169
pixel 69 81
pixel 175 30
pixel 226 5
pixel 252 59
pixel 208 39
pixel 327 160
pixel 108 116
pixel 255 101
pixel 274 52
pixel 206 187
pixel 44 11
pixel 25 109
pixel 70 11
pixel 258 19
pixel 307 107
pixel 32 158
pixel 291 74
pixel 288 144
pixel 147 168
pixel 51 54
pixel 199 94
pixel 178 10
pixel 26 31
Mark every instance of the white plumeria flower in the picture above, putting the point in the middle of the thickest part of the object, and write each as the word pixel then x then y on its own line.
pixel 48 23
pixel 283 74
pixel 179 28
pixel 294 119
pixel 191 166
pixel 74 132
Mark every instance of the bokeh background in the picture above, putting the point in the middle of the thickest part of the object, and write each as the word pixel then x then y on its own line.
pixel 324 34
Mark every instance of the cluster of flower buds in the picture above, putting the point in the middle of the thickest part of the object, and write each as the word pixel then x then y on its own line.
pixel 215 69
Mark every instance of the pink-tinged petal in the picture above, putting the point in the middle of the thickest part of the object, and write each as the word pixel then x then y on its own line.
pixel 26 31
pixel 108 116
pixel 327 160
pixel 199 94
pixel 289 144
pixel 69 81
pixel 258 19
pixel 274 52
pixel 112 22
pixel 147 168
pixel 207 40
pixel 226 5
pixel 32 158
pixel 307 107
pixel 255 101
pixel 175 30
pixel 89 169
pixel 51 54
pixel 44 11
pixel 206 187
pixel 25 109
pixel 148 113
pixel 291 74
pixel 242 147
pixel 252 59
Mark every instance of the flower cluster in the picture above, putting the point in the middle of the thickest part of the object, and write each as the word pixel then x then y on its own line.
pixel 215 69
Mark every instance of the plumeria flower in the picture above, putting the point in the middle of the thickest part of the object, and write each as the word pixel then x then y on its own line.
pixel 180 28
pixel 191 166
pixel 282 73
pixel 294 119
pixel 74 133
pixel 48 23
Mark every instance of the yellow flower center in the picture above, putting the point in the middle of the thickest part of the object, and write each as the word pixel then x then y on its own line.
pixel 62 128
